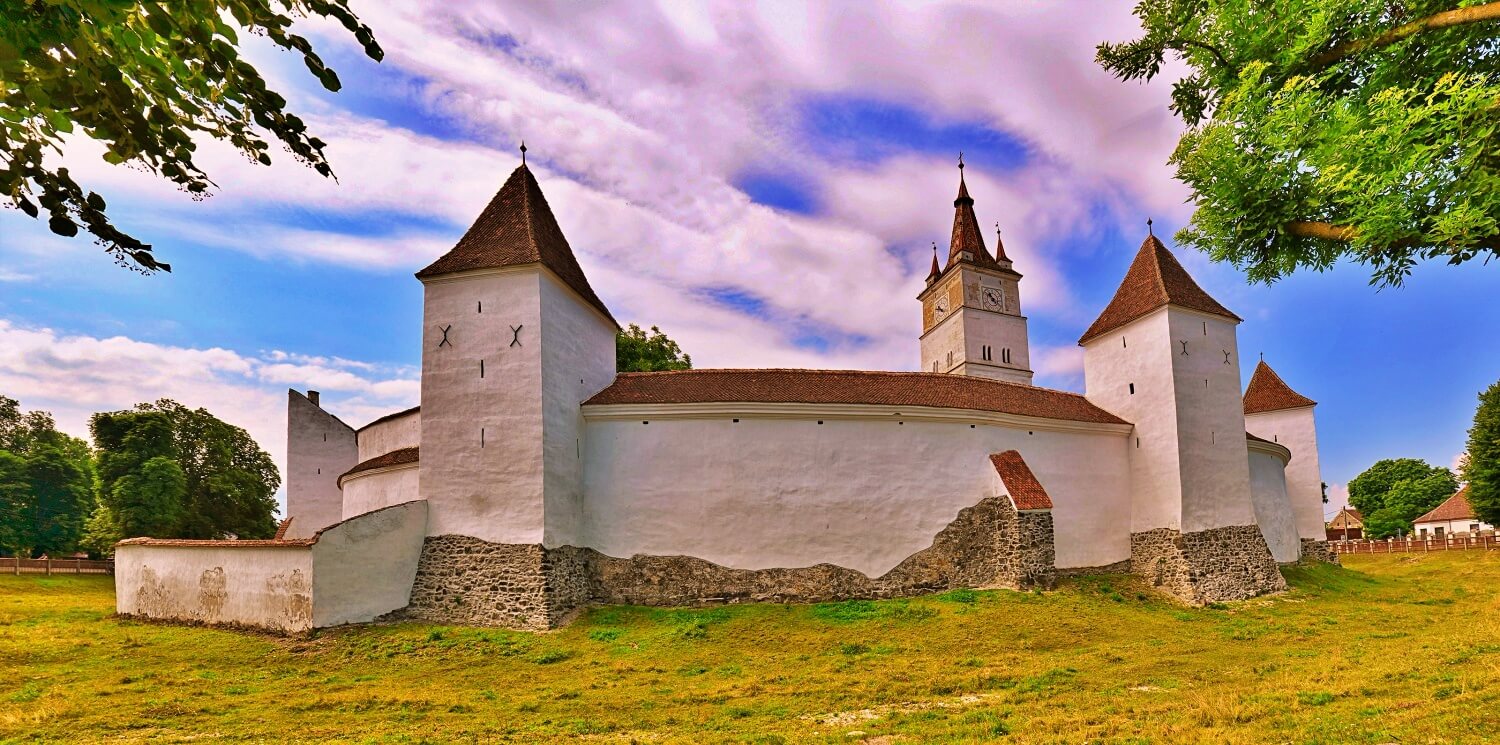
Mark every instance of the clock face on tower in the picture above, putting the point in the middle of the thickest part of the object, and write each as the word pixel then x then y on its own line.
pixel 994 298
pixel 940 306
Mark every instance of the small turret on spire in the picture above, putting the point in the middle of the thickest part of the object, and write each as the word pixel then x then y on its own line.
pixel 999 246
pixel 936 270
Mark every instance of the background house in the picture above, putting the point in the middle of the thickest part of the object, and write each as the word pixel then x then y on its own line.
pixel 1453 516
pixel 1347 525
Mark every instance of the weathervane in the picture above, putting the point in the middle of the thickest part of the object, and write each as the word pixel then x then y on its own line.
pixel 523 152
pixel 1149 229
pixel 960 160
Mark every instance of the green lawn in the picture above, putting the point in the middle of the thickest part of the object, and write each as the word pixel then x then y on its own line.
pixel 1391 649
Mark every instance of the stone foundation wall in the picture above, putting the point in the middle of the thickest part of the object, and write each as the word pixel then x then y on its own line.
pixel 1316 550
pixel 467 580
pixel 1119 567
pixel 1229 563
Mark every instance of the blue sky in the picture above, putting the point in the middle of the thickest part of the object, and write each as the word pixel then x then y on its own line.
pixel 764 189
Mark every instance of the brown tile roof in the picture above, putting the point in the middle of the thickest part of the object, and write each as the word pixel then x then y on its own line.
pixel 210 543
pixel 1268 392
pixel 849 387
pixel 517 227
pixel 393 458
pixel 1154 279
pixel 1025 491
pixel 1347 517
pixel 389 417
pixel 281 529
pixel 1455 507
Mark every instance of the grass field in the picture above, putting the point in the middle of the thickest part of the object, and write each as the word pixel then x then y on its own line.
pixel 1390 649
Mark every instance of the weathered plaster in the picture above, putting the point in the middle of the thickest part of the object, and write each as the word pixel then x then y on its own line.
pixel 1297 430
pixel 390 435
pixel 382 487
pixel 1273 509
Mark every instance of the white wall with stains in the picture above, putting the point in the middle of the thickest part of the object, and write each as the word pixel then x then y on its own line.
pixel 392 434
pixel 1273 508
pixel 319 449
pixel 1297 430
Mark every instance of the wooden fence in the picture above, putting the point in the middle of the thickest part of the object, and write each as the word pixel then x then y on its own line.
pixel 1487 542
pixel 12 565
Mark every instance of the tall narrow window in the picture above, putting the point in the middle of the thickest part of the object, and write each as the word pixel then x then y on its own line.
pixel 950 358
pixel 1132 389
pixel 1005 355
pixel 481 368
pixel 480 305
pixel 481 437
pixel 1205 328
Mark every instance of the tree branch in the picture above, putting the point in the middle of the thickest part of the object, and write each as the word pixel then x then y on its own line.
pixel 1346 234
pixel 1473 14
pixel 1177 43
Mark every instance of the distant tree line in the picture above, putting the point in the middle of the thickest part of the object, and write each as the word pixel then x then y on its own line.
pixel 1393 493
pixel 160 470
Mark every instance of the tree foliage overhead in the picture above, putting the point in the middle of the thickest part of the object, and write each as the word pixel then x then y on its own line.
pixel 1481 469
pixel 1393 492
pixel 1329 129
pixel 144 79
pixel 637 351
pixel 168 471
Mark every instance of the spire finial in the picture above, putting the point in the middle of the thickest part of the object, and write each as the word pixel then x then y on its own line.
pixel 1262 356
pixel 934 248
pixel 997 230
pixel 960 162
pixel 523 152
pixel 1150 230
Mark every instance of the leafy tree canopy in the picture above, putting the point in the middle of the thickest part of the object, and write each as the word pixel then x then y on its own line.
pixel 150 81
pixel 227 482
pixel 1394 492
pixel 1482 466
pixel 45 483
pixel 1329 129
pixel 637 351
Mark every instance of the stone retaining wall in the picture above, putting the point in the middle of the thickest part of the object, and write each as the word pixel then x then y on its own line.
pixel 1316 550
pixel 466 580
pixel 1228 563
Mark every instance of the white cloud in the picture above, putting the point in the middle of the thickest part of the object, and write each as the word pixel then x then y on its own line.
pixel 1338 498
pixel 75 376
pixel 7 275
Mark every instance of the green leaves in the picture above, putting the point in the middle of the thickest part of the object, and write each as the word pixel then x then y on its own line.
pixel 143 78
pixel 1298 158
pixel 1482 467
pixel 636 351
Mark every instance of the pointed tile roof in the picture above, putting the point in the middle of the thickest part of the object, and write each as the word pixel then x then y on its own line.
pixel 1456 507
pixel 935 270
pixel 515 228
pixel 1268 392
pixel 966 233
pixel 1154 279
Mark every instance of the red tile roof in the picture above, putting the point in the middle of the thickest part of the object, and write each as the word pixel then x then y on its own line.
pixel 1025 491
pixel 1456 507
pixel 1154 279
pixel 849 387
pixel 517 227
pixel 1268 392
pixel 967 235
pixel 281 529
pixel 210 543
pixel 393 458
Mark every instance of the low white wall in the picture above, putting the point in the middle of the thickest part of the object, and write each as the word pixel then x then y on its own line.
pixel 1273 508
pixel 371 490
pixel 265 586
pixel 403 431
pixel 364 567
pixel 860 492
pixel 355 571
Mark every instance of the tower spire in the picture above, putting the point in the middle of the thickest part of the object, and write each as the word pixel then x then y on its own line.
pixel 936 270
pixel 999 246
pixel 966 237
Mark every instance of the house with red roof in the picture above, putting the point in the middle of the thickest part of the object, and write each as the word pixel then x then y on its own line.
pixel 535 479
pixel 1454 517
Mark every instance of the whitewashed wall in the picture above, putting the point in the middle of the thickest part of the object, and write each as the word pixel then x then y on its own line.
pixel 578 360
pixel 1297 430
pixel 1139 354
pixel 357 570
pixel 320 448
pixel 1210 422
pixel 393 434
pixel 1273 508
pixel 367 491
pixel 493 490
pixel 364 567
pixel 1450 527
pixel 269 587
pixel 862 493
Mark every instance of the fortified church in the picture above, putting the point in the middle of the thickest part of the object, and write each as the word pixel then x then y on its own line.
pixel 535 480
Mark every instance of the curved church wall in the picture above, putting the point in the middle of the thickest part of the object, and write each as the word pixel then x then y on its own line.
pixel 864 489
pixel 368 491
pixel 1273 509
pixel 1296 430
pixel 381 437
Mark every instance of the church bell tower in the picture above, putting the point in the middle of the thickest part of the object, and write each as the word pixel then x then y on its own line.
pixel 971 309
